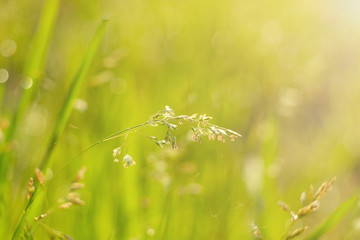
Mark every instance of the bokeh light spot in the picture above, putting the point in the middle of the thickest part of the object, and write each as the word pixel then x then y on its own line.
pixel 4 75
pixel 27 83
pixel 8 48
pixel 35 122
pixel 117 86
pixel 150 232
pixel 81 105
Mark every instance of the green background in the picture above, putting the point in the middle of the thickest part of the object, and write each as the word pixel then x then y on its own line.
pixel 284 74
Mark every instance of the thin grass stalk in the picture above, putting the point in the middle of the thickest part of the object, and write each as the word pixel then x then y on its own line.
pixel 110 137
pixel 164 118
pixel 65 113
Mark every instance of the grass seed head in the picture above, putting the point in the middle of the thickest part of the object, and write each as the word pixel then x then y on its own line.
pixel 200 125
pixel 74 198
pixel 312 207
pixel 65 205
pixel 311 204
pixel 324 188
pixel 76 186
pixel 31 188
pixel 80 175
pixel 296 232
pixel 319 191
pixel 284 206
pixel 303 198
pixel 40 177
pixel 233 137
pixel 128 161
pixel 310 193
pixel 256 232
pixel 117 151
pixel 40 217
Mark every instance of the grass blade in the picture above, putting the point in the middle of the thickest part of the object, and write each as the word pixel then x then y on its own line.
pixel 34 65
pixel 41 39
pixel 73 91
pixel 35 61
pixel 66 110
pixel 32 69
pixel 334 218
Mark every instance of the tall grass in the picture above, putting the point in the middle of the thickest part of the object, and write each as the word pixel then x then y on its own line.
pixel 33 70
pixel 282 74
pixel 73 91
pixel 32 78
pixel 65 113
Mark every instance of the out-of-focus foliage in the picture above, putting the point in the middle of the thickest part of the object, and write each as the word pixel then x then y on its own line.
pixel 284 74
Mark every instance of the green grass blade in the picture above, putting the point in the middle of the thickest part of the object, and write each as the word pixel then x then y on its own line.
pixel 66 110
pixel 35 61
pixel 34 65
pixel 1 96
pixel 334 218
pixel 41 40
pixel 74 90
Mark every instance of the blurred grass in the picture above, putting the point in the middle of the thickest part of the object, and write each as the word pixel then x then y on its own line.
pixel 65 113
pixel 34 64
pixel 335 217
pixel 284 75
pixel 31 75
pixel 73 92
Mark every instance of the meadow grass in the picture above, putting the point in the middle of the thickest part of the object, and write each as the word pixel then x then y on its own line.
pixel 334 218
pixel 65 114
pixel 278 73
pixel 31 75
